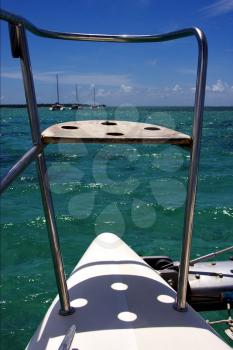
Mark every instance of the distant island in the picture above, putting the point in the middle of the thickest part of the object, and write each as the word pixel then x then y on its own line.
pixel 82 105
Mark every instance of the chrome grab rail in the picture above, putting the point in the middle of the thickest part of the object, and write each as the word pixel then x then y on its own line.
pixel 19 49
pixel 13 19
pixel 18 167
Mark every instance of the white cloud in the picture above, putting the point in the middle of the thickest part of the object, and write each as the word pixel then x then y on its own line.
pixel 103 93
pixel 177 88
pixel 69 78
pixel 88 79
pixel 219 87
pixel 218 8
pixel 126 88
pixel 11 75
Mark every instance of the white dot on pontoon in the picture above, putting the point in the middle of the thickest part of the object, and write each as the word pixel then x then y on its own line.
pixel 80 302
pixel 127 316
pixel 167 299
pixel 119 286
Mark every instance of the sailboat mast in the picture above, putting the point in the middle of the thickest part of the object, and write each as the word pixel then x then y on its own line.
pixel 76 87
pixel 94 95
pixel 57 89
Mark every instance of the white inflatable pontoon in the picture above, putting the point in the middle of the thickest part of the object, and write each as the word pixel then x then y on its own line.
pixel 122 303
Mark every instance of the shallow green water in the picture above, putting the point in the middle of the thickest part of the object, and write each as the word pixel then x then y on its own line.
pixel 136 191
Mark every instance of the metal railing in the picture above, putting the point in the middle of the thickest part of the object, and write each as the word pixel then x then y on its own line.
pixel 17 26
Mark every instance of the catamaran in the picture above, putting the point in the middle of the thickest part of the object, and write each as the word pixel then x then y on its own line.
pixel 57 106
pixel 115 299
pixel 76 105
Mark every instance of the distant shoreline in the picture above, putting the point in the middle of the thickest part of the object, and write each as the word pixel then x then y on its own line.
pixel 88 106
pixel 23 105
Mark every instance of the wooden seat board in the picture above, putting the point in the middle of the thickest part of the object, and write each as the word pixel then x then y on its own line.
pixel 113 131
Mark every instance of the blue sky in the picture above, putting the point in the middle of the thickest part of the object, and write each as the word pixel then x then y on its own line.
pixel 138 74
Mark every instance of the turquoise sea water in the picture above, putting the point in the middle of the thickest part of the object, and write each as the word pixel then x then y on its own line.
pixel 136 191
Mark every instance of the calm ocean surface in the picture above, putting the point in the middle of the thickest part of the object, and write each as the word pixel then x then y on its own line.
pixel 136 191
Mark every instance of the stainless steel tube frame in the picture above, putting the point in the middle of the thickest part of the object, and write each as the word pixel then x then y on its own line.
pixel 193 171
pixel 20 47
pixel 197 124
pixel 18 167
pixel 66 309
pixel 209 256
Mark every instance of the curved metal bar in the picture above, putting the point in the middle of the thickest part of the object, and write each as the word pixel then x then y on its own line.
pixel 19 166
pixel 14 19
pixel 210 255
pixel 197 124
pixel 193 171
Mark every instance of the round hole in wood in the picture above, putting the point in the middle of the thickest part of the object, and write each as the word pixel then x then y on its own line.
pixel 70 127
pixel 108 123
pixel 114 133
pixel 151 128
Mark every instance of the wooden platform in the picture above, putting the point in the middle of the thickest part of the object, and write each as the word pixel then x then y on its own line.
pixel 113 131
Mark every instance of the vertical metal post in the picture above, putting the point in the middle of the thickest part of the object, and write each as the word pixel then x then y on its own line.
pixel 20 49
pixel 58 97
pixel 66 309
pixel 193 171
pixel 76 89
